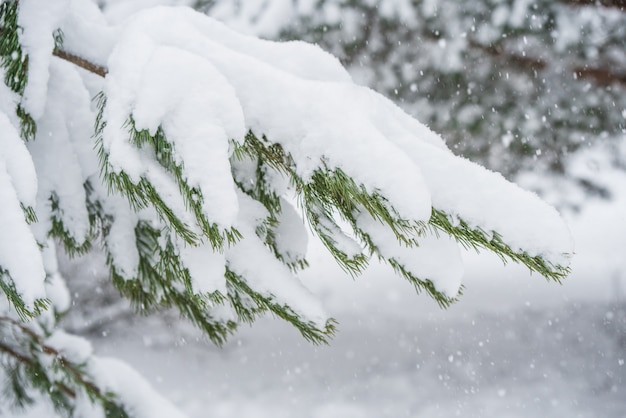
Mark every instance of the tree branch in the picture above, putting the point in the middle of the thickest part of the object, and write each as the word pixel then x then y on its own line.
pixel 19 357
pixel 29 363
pixel 81 62
pixel 599 75
pixel 73 370
pixel 617 4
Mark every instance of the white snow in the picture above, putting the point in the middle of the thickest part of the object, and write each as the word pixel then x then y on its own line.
pixel 75 349
pixel 18 162
pixel 197 109
pixel 135 393
pixel 206 267
pixel 87 33
pixel 56 289
pixel 291 234
pixel 19 253
pixel 66 120
pixel 39 19
pixel 121 241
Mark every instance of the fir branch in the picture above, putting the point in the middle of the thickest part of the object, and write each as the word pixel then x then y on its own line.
pixel 249 304
pixel 59 231
pixel 142 194
pixel 29 213
pixel 423 284
pixel 81 62
pixel 163 282
pixel 34 345
pixel 260 189
pixel 332 191
pixel 20 357
pixel 475 238
pixel 30 363
pixel 12 58
pixel 15 64
pixel 8 287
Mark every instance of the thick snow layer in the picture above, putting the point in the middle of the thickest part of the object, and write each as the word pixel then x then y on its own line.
pixel 481 197
pixel 19 253
pixel 121 241
pixel 39 19
pixel 75 349
pixel 197 109
pixel 116 11
pixel 206 267
pixel 18 162
pixel 87 33
pixel 303 100
pixel 65 123
pixel 8 101
pixel 206 86
pixel 291 234
pixel 135 393
pixel 56 289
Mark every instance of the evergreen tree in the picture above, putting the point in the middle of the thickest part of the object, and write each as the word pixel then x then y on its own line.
pixel 196 166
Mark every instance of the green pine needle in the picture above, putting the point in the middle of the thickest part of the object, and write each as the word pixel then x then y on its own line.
pixel 476 238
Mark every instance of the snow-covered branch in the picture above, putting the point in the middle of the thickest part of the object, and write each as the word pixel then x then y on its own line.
pixel 203 137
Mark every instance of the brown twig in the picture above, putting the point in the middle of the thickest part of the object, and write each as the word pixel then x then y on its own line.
pixel 599 75
pixel 617 4
pixel 81 62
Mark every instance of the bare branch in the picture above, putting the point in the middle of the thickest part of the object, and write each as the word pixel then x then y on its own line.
pixel 600 75
pixel 81 62
pixel 617 4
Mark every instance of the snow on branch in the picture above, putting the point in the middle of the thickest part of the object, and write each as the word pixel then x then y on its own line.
pixel 167 148
pixel 202 137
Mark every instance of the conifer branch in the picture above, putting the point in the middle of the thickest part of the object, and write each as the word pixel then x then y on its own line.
pixel 28 362
pixel 20 357
pixel 36 345
pixel 44 348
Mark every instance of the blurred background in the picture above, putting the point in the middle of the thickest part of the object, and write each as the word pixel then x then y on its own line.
pixel 533 89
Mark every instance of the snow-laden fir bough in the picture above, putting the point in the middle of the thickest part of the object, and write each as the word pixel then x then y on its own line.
pixel 197 166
